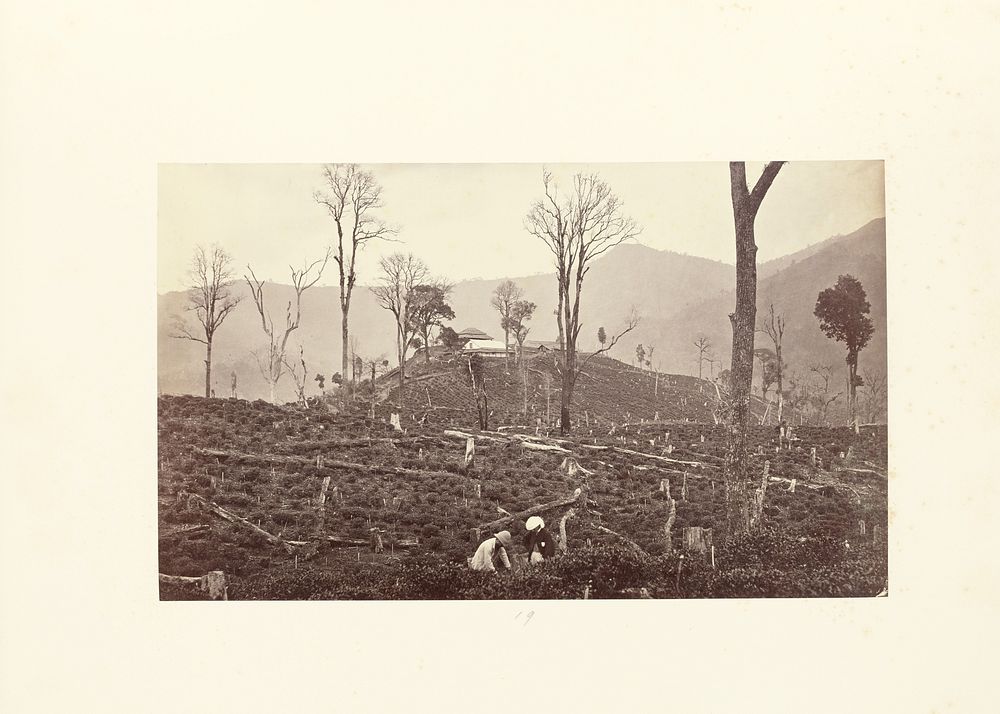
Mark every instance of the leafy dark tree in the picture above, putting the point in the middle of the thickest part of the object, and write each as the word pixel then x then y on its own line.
pixel 449 339
pixel 320 381
pixel 577 229
pixel 843 315
pixel 740 517
pixel 429 309
pixel 351 197
pixel 640 355
pixel 210 298
pixel 506 295
pixel 602 336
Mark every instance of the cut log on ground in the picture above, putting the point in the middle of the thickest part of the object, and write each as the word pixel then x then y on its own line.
pixel 328 464
pixel 204 503
pixel 494 526
pixel 213 583
pixel 635 546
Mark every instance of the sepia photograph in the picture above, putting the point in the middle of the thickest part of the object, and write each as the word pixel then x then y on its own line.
pixel 522 381
pixel 567 356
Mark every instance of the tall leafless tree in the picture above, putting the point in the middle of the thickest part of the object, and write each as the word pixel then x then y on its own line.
pixel 401 273
pixel 272 364
pixel 577 228
pixel 704 346
pixel 506 295
pixel 351 197
pixel 773 326
pixel 746 203
pixel 211 300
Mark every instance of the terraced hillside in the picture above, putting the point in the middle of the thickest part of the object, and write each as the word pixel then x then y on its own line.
pixel 284 499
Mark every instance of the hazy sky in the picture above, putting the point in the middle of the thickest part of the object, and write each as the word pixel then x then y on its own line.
pixel 466 220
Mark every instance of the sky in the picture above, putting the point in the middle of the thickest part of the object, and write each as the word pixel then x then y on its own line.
pixel 467 220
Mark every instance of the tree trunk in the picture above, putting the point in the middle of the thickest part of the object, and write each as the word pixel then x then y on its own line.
pixel 344 347
pixel 208 369
pixel 743 319
pixel 741 371
pixel 781 398
pixel 566 395
pixel 271 386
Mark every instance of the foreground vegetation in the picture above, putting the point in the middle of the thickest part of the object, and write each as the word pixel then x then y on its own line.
pixel 266 464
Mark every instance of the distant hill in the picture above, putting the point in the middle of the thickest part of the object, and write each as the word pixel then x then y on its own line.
pixel 793 290
pixel 678 297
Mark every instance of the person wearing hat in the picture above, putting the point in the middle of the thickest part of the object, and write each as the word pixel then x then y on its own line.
pixel 491 550
pixel 538 541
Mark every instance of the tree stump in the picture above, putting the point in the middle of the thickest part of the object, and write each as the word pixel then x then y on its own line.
pixel 812 456
pixel 668 528
pixel 684 487
pixel 322 491
pixel 665 486
pixel 878 534
pixel 394 421
pixel 791 485
pixel 214 583
pixel 377 545
pixel 697 539
pixel 563 543
pixel 470 453
pixel 861 527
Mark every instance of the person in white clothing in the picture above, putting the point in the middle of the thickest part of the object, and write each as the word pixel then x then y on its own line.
pixel 490 551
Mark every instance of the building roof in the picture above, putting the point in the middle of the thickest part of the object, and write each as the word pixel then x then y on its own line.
pixel 548 344
pixel 471 333
pixel 485 346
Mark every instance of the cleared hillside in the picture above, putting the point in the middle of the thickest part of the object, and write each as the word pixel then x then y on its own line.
pixel 607 393
pixel 283 499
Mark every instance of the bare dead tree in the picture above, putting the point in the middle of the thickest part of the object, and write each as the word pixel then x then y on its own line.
pixel 577 229
pixel 401 273
pixel 773 326
pixel 746 203
pixel 298 377
pixel 704 346
pixel 211 300
pixel 351 197
pixel 272 364
pixel 876 387
pixel 822 397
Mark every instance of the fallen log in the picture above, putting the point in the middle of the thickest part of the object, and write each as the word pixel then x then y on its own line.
pixel 186 530
pixel 327 463
pixel 644 455
pixel 289 546
pixel 635 546
pixel 214 583
pixel 492 526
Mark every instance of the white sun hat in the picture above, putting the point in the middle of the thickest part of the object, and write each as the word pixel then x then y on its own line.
pixel 534 522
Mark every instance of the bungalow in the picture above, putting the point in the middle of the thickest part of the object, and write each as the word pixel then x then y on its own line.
pixel 478 342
